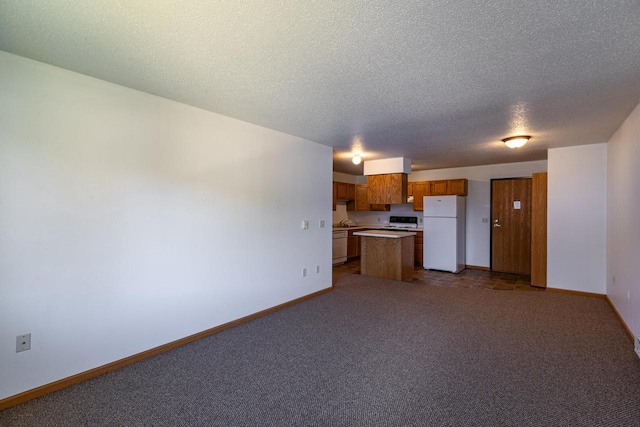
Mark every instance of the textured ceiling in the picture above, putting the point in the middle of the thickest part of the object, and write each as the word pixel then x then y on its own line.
pixel 440 82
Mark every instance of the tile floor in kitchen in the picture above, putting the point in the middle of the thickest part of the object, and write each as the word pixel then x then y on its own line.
pixel 467 278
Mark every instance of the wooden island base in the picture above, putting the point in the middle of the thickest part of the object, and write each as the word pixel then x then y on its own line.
pixel 389 258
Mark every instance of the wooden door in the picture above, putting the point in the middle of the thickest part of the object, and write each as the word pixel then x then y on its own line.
pixel 511 225
pixel 539 229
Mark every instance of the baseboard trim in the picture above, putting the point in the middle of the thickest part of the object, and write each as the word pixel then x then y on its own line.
pixel 594 295
pixel 25 396
pixel 624 325
pixel 579 293
pixel 477 267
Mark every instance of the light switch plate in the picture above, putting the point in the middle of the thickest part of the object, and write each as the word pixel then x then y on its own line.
pixel 305 224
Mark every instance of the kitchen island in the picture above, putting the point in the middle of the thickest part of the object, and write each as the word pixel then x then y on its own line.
pixel 386 254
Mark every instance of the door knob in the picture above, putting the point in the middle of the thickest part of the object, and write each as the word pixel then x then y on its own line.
pixel 496 223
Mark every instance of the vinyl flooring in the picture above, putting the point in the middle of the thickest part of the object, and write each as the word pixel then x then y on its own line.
pixel 468 278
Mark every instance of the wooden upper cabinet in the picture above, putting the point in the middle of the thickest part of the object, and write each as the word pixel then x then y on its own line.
pixel 445 187
pixel 420 189
pixel 390 188
pixel 362 198
pixel 457 187
pixel 351 192
pixel 345 191
pixel 362 201
pixel 439 188
pixel 409 189
pixel 335 195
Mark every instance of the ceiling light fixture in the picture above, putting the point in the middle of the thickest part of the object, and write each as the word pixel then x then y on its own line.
pixel 516 141
pixel 356 159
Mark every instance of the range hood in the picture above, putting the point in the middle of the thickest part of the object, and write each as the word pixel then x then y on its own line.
pixel 385 166
pixel 387 180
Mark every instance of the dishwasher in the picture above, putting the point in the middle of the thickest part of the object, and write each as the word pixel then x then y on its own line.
pixel 339 247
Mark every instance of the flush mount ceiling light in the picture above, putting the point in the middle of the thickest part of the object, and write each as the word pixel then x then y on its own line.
pixel 516 141
pixel 356 159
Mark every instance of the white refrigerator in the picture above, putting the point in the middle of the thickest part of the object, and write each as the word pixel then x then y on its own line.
pixel 444 233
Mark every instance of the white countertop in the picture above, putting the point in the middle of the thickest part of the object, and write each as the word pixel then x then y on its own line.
pixel 385 233
pixel 369 227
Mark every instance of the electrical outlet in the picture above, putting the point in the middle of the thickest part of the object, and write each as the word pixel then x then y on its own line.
pixel 304 272
pixel 485 220
pixel 23 343
pixel 637 346
pixel 317 269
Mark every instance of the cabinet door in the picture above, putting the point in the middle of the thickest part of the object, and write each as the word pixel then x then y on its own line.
pixel 390 188
pixel 420 189
pixel 351 192
pixel 439 188
pixel 362 199
pixel 380 207
pixel 409 189
pixel 418 249
pixel 457 187
pixel 353 245
pixel 335 195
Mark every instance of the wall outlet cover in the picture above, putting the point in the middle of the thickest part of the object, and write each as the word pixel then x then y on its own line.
pixel 23 342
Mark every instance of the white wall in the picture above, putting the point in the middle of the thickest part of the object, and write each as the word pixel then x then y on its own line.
pixel 128 221
pixel 479 200
pixel 576 218
pixel 623 232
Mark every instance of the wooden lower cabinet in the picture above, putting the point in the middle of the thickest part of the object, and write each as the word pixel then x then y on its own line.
pixel 418 248
pixel 353 245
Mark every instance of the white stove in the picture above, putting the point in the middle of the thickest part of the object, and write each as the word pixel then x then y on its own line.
pixel 402 223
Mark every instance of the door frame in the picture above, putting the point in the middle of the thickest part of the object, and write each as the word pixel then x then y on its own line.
pixel 491 215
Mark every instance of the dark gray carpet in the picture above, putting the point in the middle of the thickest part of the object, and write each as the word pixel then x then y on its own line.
pixel 378 353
